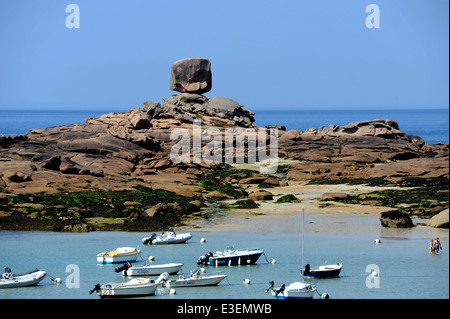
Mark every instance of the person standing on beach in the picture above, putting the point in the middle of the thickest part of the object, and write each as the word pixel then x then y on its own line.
pixel 437 245
pixel 431 246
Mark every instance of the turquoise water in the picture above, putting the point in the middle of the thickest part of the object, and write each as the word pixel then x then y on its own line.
pixel 406 270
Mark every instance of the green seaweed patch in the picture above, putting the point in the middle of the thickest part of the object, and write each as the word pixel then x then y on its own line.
pixel 414 200
pixel 372 181
pixel 214 180
pixel 289 198
pixel 106 204
pixel 244 204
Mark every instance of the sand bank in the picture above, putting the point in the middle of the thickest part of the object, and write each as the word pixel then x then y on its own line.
pixel 320 217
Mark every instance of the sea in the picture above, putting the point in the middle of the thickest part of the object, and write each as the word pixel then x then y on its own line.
pixel 430 124
pixel 404 268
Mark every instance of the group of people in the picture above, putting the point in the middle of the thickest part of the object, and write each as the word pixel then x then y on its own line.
pixel 435 245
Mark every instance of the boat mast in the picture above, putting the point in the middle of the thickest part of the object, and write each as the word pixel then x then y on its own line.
pixel 303 243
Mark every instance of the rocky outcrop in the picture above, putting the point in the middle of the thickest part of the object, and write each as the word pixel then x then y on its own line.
pixel 125 150
pixel 440 220
pixel 396 219
pixel 366 141
pixel 425 167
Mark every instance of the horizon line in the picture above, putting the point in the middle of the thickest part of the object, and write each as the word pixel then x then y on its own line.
pixel 118 109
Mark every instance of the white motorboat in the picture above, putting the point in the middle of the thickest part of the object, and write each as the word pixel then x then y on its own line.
pixel 165 238
pixel 120 255
pixel 296 290
pixel 195 279
pixel 134 288
pixel 149 270
pixel 29 278
pixel 231 257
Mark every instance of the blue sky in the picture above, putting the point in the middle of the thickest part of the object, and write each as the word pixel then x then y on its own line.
pixel 286 54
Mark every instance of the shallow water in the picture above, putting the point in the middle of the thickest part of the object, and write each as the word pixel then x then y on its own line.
pixel 405 268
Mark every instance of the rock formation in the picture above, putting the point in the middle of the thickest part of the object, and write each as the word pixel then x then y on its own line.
pixel 121 151
pixel 440 220
pixel 396 219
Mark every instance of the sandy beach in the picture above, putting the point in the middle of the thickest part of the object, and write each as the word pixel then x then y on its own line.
pixel 320 217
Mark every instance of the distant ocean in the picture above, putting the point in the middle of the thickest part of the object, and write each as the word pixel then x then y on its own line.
pixel 431 125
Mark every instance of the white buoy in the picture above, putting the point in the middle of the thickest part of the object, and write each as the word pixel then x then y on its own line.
pixel 172 291
pixel 202 270
pixel 377 241
pixel 374 274
pixel 246 281
pixel 203 240
pixel 324 296
pixel 57 281
pixel 273 261
pixel 151 258
pixel 248 261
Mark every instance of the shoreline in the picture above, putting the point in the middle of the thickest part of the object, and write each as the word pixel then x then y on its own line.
pixel 333 218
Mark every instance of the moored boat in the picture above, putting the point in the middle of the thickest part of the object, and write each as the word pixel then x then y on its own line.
pixel 326 271
pixel 120 255
pixel 128 269
pixel 195 279
pixel 296 290
pixel 166 238
pixel 29 278
pixel 134 288
pixel 231 257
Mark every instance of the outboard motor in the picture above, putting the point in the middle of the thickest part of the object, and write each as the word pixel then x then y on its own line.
pixel 307 271
pixel 149 240
pixel 96 288
pixel 281 290
pixel 163 277
pixel 205 259
pixel 7 273
pixel 124 268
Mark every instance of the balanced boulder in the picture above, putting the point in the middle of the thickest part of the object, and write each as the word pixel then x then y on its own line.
pixel 191 75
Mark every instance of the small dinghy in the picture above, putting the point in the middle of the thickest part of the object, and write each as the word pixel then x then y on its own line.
pixel 128 269
pixel 231 257
pixel 169 237
pixel 133 288
pixel 29 278
pixel 195 279
pixel 120 255
pixel 327 271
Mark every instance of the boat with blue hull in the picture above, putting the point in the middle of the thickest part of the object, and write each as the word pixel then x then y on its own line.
pixel 231 257
pixel 327 271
